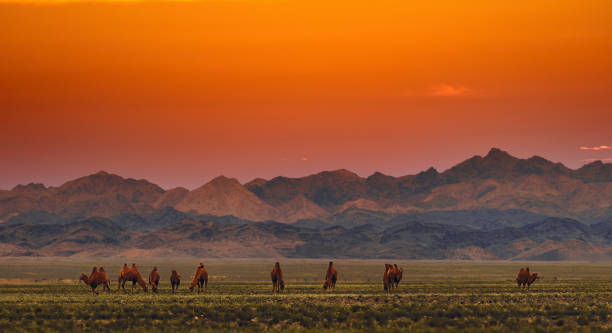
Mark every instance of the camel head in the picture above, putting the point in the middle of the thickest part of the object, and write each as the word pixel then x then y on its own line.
pixel 327 284
pixel 83 277
pixel 533 277
pixel 144 286
pixel 282 285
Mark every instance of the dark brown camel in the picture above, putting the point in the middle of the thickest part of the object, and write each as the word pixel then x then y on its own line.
pixel 331 276
pixel 277 278
pixel 175 280
pixel 525 278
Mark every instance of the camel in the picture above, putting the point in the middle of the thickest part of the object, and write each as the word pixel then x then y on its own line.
pixel 392 277
pixel 386 278
pixel 277 278
pixel 132 274
pixel 95 279
pixel 525 278
pixel 175 280
pixel 331 276
pixel 399 273
pixel 154 279
pixel 121 278
pixel 200 278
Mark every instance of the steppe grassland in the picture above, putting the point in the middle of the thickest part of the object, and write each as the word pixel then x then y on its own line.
pixel 44 295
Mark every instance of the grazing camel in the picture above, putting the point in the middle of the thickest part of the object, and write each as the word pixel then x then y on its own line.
pixel 133 275
pixel 277 278
pixel 175 280
pixel 154 279
pixel 121 278
pixel 200 278
pixel 95 279
pixel 331 276
pixel 525 278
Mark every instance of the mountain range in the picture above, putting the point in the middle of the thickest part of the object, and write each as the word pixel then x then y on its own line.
pixel 510 208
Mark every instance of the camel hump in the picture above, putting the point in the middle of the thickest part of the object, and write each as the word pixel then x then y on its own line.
pixel 101 269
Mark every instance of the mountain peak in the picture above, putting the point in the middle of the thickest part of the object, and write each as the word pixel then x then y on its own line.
pixel 29 187
pixel 498 154
pixel 222 180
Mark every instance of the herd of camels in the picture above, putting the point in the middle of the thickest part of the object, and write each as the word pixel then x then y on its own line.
pixel 391 278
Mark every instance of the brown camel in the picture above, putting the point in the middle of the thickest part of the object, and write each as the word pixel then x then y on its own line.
pixel 133 275
pixel 399 273
pixel 277 278
pixel 331 276
pixel 386 278
pixel 200 279
pixel 121 278
pixel 154 279
pixel 175 280
pixel 95 279
pixel 525 278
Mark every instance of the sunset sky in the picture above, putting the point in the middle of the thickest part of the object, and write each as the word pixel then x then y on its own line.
pixel 181 92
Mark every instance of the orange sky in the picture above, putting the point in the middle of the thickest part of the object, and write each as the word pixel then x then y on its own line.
pixel 180 92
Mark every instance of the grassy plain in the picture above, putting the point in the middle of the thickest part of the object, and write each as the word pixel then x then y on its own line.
pixel 43 295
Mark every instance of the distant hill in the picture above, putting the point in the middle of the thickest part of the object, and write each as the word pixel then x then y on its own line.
pixel 549 239
pixel 375 216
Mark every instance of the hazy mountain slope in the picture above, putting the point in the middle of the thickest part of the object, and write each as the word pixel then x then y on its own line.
pixel 225 196
pixel 100 194
pixel 549 239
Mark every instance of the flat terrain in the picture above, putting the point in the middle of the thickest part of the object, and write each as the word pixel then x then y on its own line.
pixel 43 295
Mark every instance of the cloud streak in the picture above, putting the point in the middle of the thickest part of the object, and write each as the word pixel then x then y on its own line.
pixel 449 90
pixel 596 148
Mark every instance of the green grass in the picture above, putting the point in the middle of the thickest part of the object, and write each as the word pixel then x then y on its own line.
pixel 435 297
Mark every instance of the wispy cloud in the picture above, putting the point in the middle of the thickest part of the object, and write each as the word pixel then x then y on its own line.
pixel 596 148
pixel 448 90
